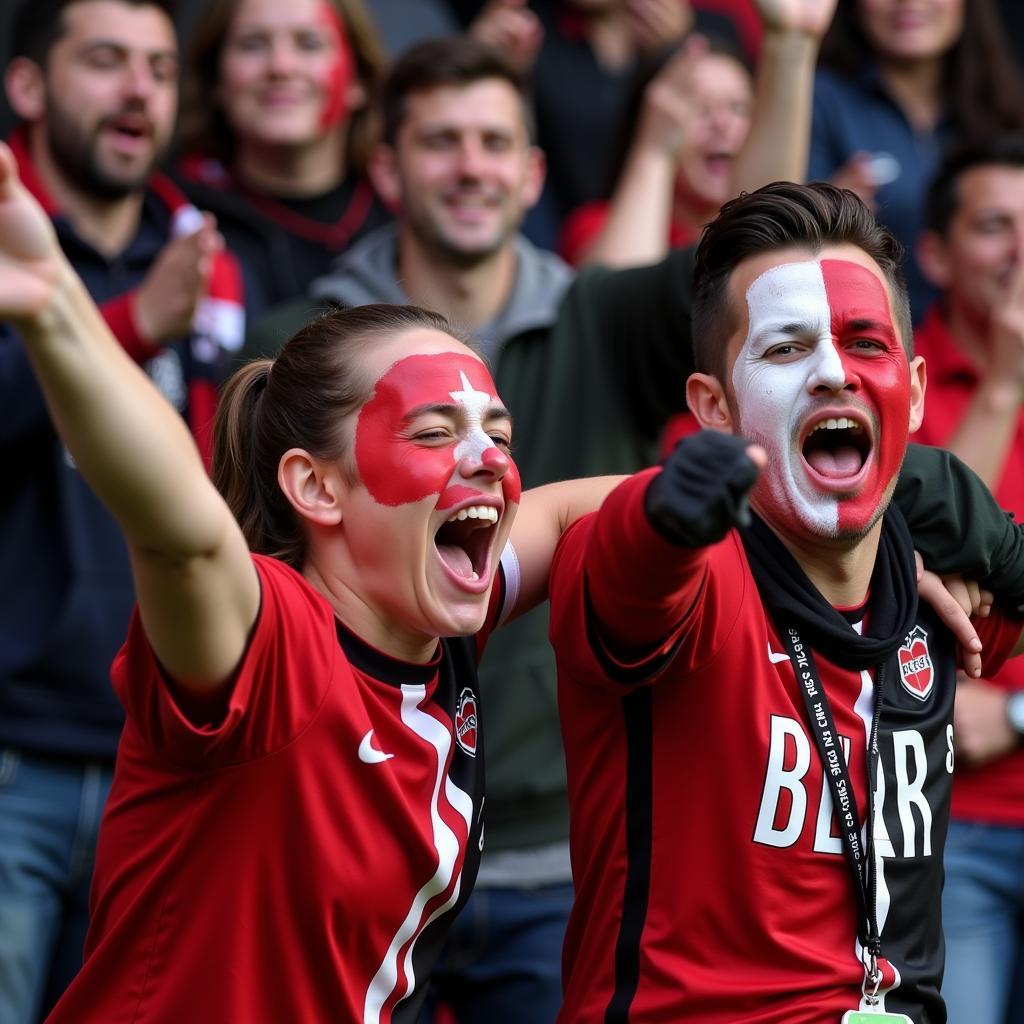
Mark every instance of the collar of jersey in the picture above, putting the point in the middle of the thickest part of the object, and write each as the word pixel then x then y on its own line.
pixel 367 658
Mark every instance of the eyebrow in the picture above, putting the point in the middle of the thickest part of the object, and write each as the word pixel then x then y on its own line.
pixel 453 409
pixel 123 47
pixel 867 323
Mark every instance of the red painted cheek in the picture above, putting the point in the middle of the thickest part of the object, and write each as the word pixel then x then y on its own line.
pixel 511 485
pixel 395 469
pixel 882 380
pixel 339 76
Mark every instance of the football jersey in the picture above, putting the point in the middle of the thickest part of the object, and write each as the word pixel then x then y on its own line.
pixel 710 880
pixel 300 858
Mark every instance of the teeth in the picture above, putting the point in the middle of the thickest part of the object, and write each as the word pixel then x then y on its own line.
pixel 485 512
pixel 474 576
pixel 842 423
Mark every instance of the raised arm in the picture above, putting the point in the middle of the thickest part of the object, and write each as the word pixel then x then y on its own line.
pixel 640 212
pixel 197 589
pixel 779 139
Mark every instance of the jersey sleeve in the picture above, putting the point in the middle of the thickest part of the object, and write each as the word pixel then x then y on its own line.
pixel 276 690
pixel 614 578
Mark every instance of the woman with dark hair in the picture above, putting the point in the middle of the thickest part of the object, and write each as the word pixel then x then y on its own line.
pixel 276 130
pixel 296 813
pixel 897 85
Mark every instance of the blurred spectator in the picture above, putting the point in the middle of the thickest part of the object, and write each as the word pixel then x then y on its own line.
pixel 94 83
pixel 581 78
pixel 275 134
pixel 973 343
pixel 681 134
pixel 900 82
pixel 591 369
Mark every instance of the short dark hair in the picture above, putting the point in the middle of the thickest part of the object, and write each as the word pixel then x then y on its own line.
pixel 448 60
pixel 38 24
pixel 778 216
pixel 943 194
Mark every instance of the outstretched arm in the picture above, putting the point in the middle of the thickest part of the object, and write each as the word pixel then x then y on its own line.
pixel 197 589
pixel 545 513
pixel 644 554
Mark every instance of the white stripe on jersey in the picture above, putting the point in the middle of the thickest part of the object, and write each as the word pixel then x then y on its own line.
pixel 446 843
pixel 513 581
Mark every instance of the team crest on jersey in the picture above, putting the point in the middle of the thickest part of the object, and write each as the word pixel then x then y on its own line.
pixel 916 669
pixel 466 722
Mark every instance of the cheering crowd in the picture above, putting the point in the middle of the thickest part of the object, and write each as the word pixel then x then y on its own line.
pixel 505 512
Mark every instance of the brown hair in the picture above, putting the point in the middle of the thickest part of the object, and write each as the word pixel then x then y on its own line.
pixel 304 398
pixel 38 24
pixel 778 216
pixel 982 88
pixel 448 60
pixel 203 127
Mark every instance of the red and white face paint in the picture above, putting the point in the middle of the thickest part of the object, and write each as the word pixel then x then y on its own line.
pixel 398 467
pixel 822 348
pixel 340 73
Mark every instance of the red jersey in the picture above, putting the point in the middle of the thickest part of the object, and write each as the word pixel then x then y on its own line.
pixel 994 792
pixel 710 880
pixel 300 858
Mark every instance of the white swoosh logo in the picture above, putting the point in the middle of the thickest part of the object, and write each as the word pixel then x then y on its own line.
pixel 774 657
pixel 368 753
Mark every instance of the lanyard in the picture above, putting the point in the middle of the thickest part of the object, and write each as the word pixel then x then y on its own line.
pixel 859 856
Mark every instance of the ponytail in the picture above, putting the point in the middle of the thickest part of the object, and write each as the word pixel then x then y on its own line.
pixel 249 487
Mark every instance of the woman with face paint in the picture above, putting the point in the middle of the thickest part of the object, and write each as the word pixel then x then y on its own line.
pixel 296 813
pixel 276 129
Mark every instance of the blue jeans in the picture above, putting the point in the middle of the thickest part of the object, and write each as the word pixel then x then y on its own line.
pixel 502 960
pixel 983 921
pixel 49 818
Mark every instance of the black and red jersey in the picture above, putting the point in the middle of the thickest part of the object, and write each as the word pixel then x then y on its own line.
pixel 299 858
pixel 710 880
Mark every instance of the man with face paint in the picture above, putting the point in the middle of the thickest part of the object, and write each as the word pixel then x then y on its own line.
pixel 757 711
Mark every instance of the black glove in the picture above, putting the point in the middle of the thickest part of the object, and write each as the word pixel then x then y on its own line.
pixel 701 491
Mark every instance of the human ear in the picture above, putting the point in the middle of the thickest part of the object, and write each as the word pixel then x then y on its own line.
pixel 383 171
pixel 918 386
pixel 536 172
pixel 313 487
pixel 25 88
pixel 707 401
pixel 933 259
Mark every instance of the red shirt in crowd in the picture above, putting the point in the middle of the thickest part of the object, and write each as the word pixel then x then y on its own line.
pixel 995 792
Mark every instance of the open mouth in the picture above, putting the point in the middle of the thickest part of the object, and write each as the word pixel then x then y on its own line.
pixel 464 541
pixel 837 448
